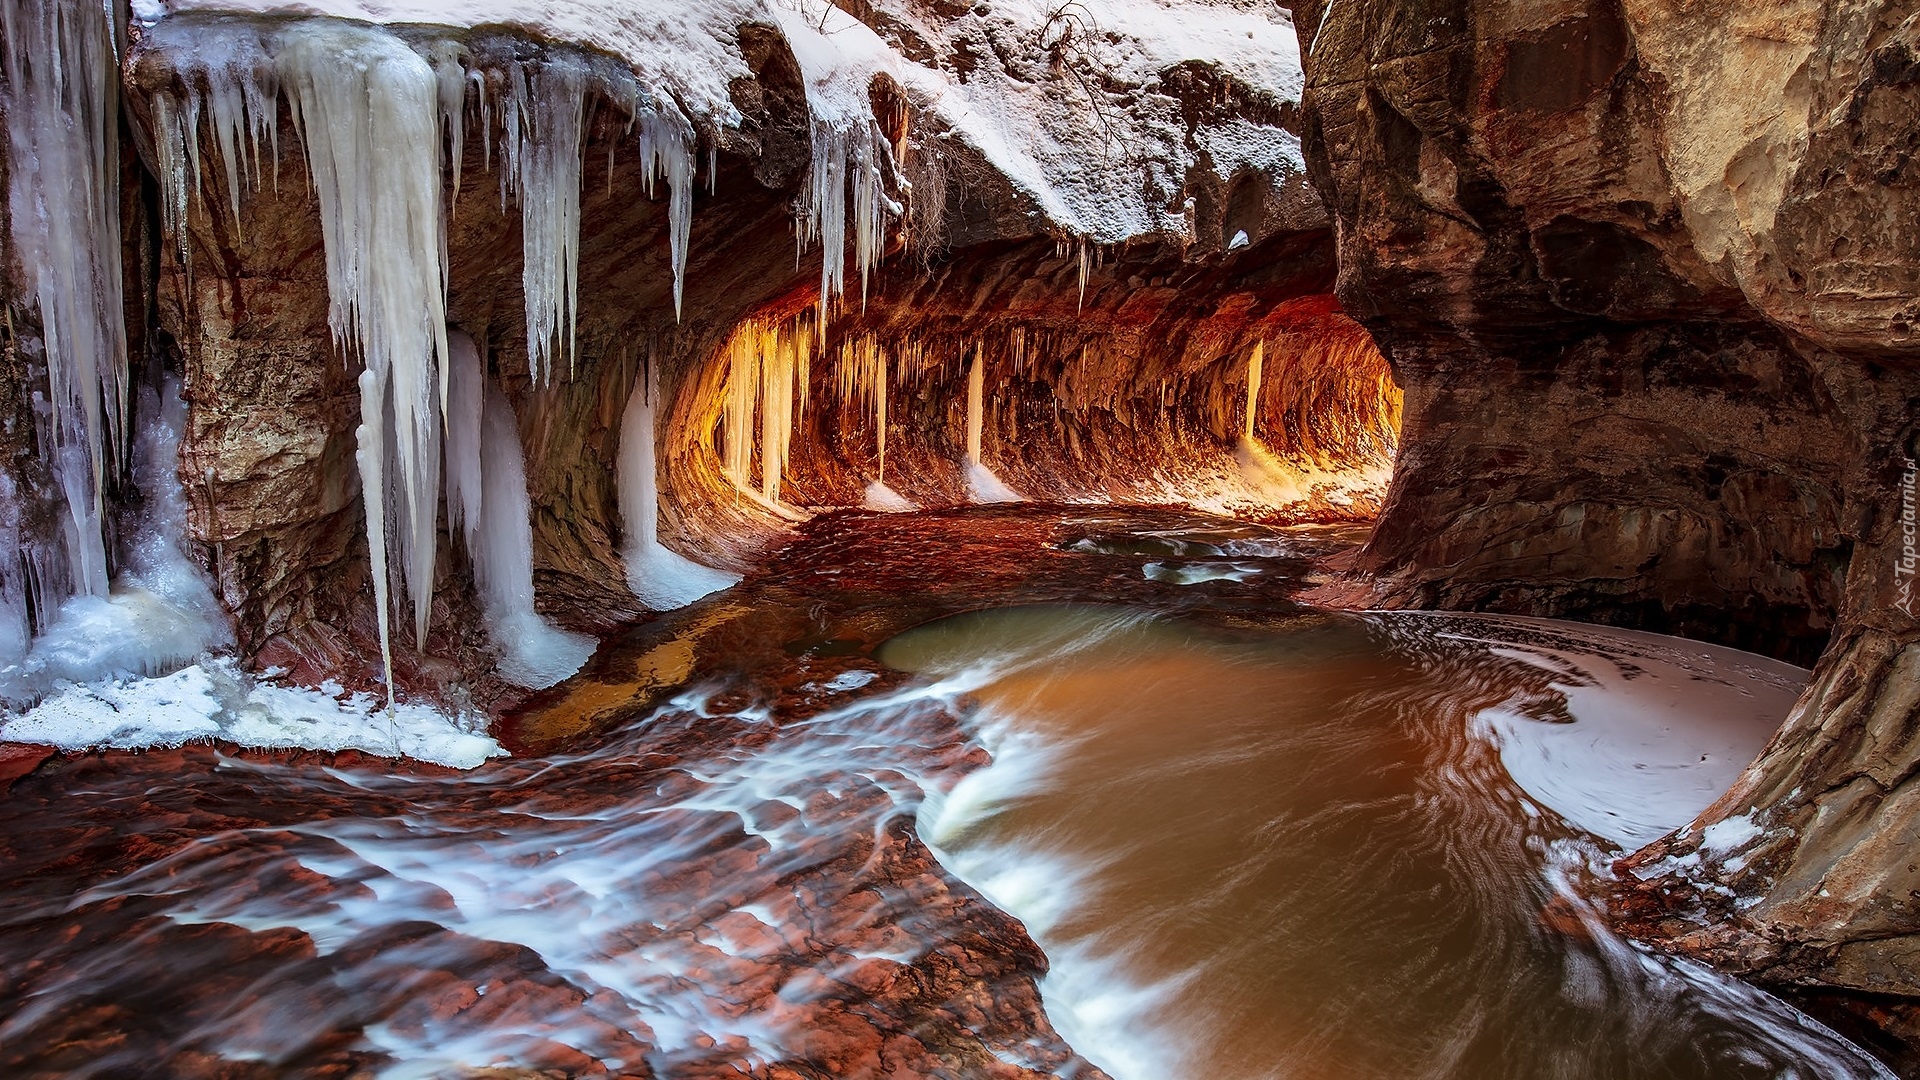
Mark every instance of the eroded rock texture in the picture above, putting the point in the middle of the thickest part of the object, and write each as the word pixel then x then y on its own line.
pixel 1648 273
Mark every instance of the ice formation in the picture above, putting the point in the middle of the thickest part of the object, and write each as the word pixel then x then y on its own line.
pixel 160 612
pixel 487 499
pixel 545 113
pixel 213 700
pixel 982 485
pixel 62 103
pixel 661 577
pixel 863 380
pixel 367 109
pixel 1255 361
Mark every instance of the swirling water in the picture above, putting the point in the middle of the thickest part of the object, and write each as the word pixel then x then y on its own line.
pixel 1297 852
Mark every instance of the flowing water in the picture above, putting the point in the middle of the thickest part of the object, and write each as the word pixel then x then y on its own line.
pixel 1298 853
pixel 1253 841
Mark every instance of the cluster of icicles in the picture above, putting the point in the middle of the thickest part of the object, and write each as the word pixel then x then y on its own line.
pixel 372 112
pixel 768 370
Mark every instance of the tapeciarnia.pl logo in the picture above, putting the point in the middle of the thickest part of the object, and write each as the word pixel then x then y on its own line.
pixel 1904 570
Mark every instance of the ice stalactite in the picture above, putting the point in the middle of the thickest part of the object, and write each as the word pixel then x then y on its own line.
pixel 768 371
pixel 1256 360
pixel 487 500
pixel 367 108
pixel 61 102
pixel 976 406
pixel 544 138
pixel 666 150
pixel 863 380
pixel 661 577
pixel 743 392
pixel 982 485
pixel 780 407
pixel 847 177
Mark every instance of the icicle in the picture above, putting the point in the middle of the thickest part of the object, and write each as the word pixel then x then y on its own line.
pixel 62 113
pixel 743 387
pixel 545 126
pixel 976 403
pixel 230 80
pixel 450 77
pixel 1083 275
pixel 666 148
pixel 776 411
pixel 982 485
pixel 367 108
pixel 844 158
pixel 1255 362
pixel 880 412
pixel 487 494
pixel 660 577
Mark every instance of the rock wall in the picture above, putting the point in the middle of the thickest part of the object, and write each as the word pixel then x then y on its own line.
pixel 982 241
pixel 1648 274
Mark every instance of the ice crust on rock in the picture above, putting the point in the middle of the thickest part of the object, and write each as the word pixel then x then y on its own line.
pixel 1038 103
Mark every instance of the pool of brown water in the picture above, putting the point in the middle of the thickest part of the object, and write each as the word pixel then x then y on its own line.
pixel 1301 850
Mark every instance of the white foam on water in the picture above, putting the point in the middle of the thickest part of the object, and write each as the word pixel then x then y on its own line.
pixel 1099 1008
pixel 1197 573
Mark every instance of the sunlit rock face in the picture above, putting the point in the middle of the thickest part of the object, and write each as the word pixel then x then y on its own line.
pixel 1228 385
pixel 1647 273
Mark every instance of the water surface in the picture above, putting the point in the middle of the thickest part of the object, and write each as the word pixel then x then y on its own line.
pixel 1296 851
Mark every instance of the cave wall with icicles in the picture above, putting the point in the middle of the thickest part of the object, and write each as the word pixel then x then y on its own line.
pixel 608 213
pixel 1000 381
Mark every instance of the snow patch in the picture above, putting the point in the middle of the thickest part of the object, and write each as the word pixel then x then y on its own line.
pixel 213 700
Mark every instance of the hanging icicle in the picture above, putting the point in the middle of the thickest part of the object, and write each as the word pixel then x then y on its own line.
pixel 544 139
pixel 846 160
pixel 1255 362
pixel 666 149
pixel 62 113
pixel 367 108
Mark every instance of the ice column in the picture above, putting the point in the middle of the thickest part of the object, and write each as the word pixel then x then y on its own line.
pixel 976 407
pixel 367 108
pixel 1255 362
pixel 660 577
pixel 666 149
pixel 487 499
pixel 62 112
